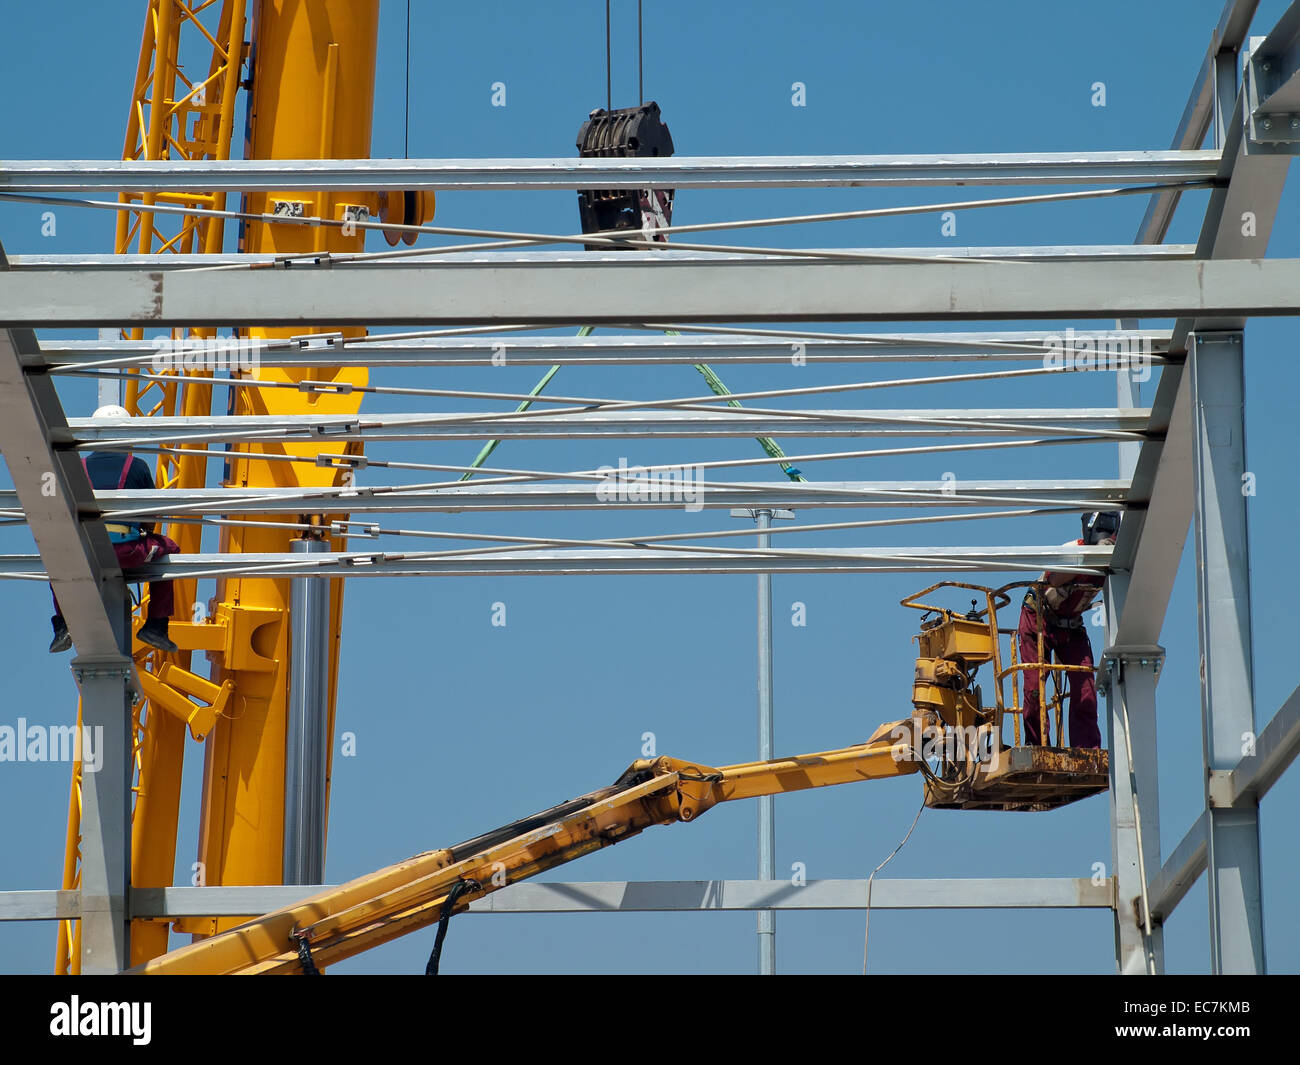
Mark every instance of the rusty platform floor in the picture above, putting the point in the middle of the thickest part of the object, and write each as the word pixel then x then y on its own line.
pixel 1028 778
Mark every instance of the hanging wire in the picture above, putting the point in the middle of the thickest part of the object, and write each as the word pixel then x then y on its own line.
pixel 588 404
pixel 498 239
pixel 406 114
pixel 818 418
pixel 665 541
pixel 509 476
pixel 609 89
pixel 640 56
pixel 344 562
pixel 866 930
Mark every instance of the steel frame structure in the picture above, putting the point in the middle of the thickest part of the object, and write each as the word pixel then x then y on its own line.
pixel 1180 457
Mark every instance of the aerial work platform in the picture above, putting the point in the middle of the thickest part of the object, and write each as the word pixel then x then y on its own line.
pixel 1028 778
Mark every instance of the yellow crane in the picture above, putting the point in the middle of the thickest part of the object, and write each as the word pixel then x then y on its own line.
pixel 309 67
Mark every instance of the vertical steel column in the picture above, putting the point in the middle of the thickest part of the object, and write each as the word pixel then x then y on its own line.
pixel 109 389
pixel 305 747
pixel 107 767
pixel 1129 680
pixel 766 810
pixel 1227 674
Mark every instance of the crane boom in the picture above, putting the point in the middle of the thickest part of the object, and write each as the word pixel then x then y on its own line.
pixel 383 905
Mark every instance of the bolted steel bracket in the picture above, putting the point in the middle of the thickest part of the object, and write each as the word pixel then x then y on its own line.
pixel 1219 789
pixel 94 673
pixel 1115 660
pixel 1272 123
pixel 753 512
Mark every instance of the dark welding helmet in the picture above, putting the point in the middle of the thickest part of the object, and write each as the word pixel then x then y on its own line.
pixel 1099 525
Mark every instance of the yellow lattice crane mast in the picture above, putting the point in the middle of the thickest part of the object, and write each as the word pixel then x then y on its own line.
pixel 310 67
pixel 171 116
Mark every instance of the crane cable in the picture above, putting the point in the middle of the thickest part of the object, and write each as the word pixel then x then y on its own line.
pixel 609 79
pixel 937 782
pixel 406 113
pixel 866 931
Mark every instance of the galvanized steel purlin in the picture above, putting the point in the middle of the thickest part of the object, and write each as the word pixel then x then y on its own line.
pixel 682 172
pixel 507 290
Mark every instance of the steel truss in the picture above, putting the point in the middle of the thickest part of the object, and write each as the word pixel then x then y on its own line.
pixel 1180 456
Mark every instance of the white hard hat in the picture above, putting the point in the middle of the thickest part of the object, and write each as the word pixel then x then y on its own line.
pixel 111 410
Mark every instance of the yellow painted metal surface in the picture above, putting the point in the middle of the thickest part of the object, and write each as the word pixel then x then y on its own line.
pixel 186 120
pixel 381 906
pixel 171 116
pixel 313 67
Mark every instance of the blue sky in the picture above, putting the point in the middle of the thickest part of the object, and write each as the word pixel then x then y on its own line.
pixel 462 726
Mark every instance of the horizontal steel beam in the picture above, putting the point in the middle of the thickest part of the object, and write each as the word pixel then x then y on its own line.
pixel 505 291
pixel 621 350
pixel 939 894
pixel 232 901
pixel 47 905
pixel 598 561
pixel 669 895
pixel 1180 871
pixel 682 172
pixel 374 499
pixel 723 422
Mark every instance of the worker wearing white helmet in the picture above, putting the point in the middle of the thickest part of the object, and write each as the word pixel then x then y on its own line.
pixel 135 543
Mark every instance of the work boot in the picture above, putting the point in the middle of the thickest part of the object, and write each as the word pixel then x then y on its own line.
pixel 62 638
pixel 154 633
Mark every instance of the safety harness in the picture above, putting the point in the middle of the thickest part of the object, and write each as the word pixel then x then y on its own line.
pixel 1082 593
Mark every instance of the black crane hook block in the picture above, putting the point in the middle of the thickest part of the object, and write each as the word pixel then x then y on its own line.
pixel 630 132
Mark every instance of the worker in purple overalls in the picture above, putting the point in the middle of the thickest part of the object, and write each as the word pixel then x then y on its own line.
pixel 134 543
pixel 1066 599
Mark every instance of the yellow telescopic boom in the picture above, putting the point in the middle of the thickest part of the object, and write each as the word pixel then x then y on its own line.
pixel 373 909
